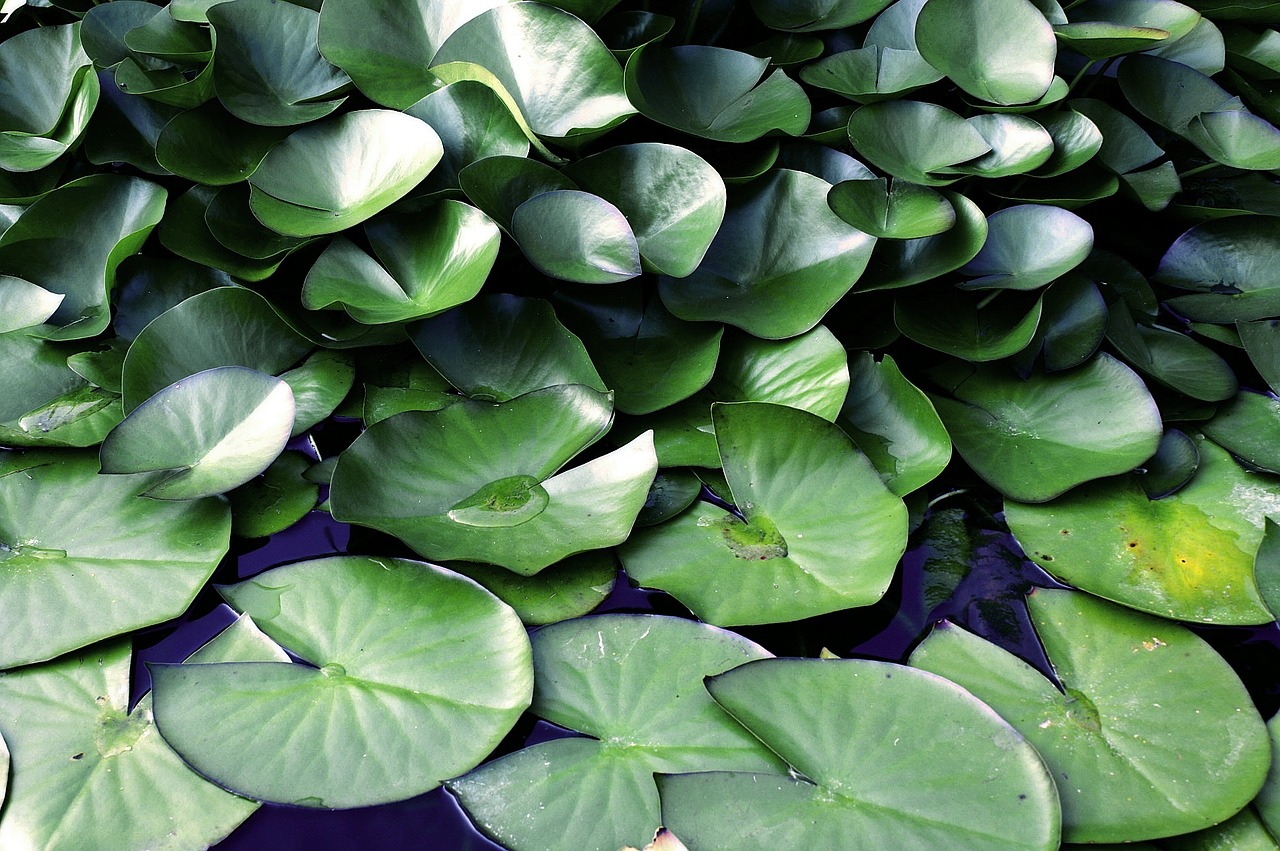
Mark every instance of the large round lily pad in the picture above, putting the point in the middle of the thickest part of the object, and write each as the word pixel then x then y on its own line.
pixel 1188 556
pixel 410 674
pixel 1001 51
pixel 1034 439
pixel 1231 266
pixel 1146 730
pixel 884 757
pixel 816 529
pixel 85 556
pixel 633 683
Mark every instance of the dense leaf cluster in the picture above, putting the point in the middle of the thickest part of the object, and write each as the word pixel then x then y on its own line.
pixel 696 296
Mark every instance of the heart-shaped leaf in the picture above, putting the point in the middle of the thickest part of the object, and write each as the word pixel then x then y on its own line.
pixel 1001 52
pixel 912 140
pixel 1188 556
pixel 383 705
pixel 897 210
pixel 1131 732
pixel 901 263
pixel 576 236
pixel 634 684
pixel 211 432
pixel 1230 265
pixel 1029 245
pixel 86 556
pixel 845 728
pixel 789 552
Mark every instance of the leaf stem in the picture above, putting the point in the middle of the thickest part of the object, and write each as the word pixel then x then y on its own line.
pixel 1075 81
pixel 694 12
pixel 990 298
pixel 1191 172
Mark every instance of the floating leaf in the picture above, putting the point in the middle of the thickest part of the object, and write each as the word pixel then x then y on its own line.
pixel 1126 146
pixel 901 263
pixel 897 210
pixel 211 432
pixel 576 236
pixel 1143 712
pixel 500 184
pixel 1231 265
pixel 1018 145
pixel 961 325
pixel 715 93
pixel 809 372
pixel 1073 323
pixel 813 15
pixel 23 304
pixel 267 68
pixel 86 556
pixel 1001 52
pixel 1188 556
pixel 633 683
pixel 337 173
pixel 383 705
pixel 883 755
pixel 561 78
pixel 72 240
pixel 1035 439
pixel 473 123
pixel 1261 340
pixel 48 89
pixel 817 529
pixel 566 590
pixel 44 401
pixel 210 145
pixel 1248 426
pixel 1171 358
pixel 270 504
pixel 779 262
pixel 912 140
pixel 894 424
pixel 319 385
pixel 1028 246
pixel 422 264
pixel 1174 464
pixel 1076 140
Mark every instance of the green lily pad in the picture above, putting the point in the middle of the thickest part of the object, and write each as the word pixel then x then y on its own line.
pixel 210 432
pixel 231 222
pixel 562 591
pixel 673 200
pixel 883 756
pixel 672 491
pixel 628 31
pixel 1001 52
pixel 871 73
pixel 1188 556
pixel 1018 145
pixel 386 706
pixel 818 531
pixel 1142 713
pixel 500 184
pixel 1173 466
pixel 576 236
pixel 633 683
pixel 48 89
pixel 186 233
pixel 44 401
pixel 560 77
pixel 422 264
pixel 1035 439
pixel 72 240
pixel 897 210
pixel 901 263
pixel 1073 323
pixel 1076 140
pixel 1232 267
pixel 252 38
pixel 913 140
pixel 226 326
pixel 1028 246
pixel 473 123
pixel 1097 40
pixel 815 15
pixel 211 146
pixel 94 775
pixel 337 173
pixel 1126 146
pixel 275 501
pixel 809 372
pixel 715 93
pixel 86 556
pixel 965 326
pixel 647 356
pixel 319 385
pixel 534 518
pixel 894 424
pixel 387 48
pixel 23 304
pixel 1248 427
pixel 1261 340
pixel 1171 358
pixel 1202 48
pixel 779 262
pixel 497 347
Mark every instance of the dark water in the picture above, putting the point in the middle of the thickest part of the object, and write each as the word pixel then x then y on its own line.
pixel 961 565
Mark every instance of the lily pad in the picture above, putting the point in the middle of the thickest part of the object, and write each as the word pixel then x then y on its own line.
pixel 816 529
pixel 337 173
pixel 319 385
pixel 779 262
pixel 1001 52
pixel 897 210
pixel 1147 731
pixel 1126 146
pixel 1037 438
pixel 1171 358
pixel 497 501
pixel 1261 340
pixel 1073 323
pixel 422 264
pixel 715 93
pixel 23 304
pixel 560 77
pixel 211 146
pixel 882 756
pixel 914 140
pixel 94 775
pixel 44 401
pixel 633 683
pixel 473 123
pixel 1232 267
pixel 48 89
pixel 814 15
pixel 901 263
pixel 383 690
pixel 497 347
pixel 1173 466
pixel 1076 140
pixel 1028 246
pixel 72 240
pixel 1248 426
pixel 225 326
pixel 961 325
pixel 809 372
pixel 210 432
pixel 673 200
pixel 562 591
pixel 1188 556
pixel 275 501
pixel 576 236
pixel 253 83
pixel 894 424
pixel 648 357
pixel 186 233
pixel 500 184
pixel 86 556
